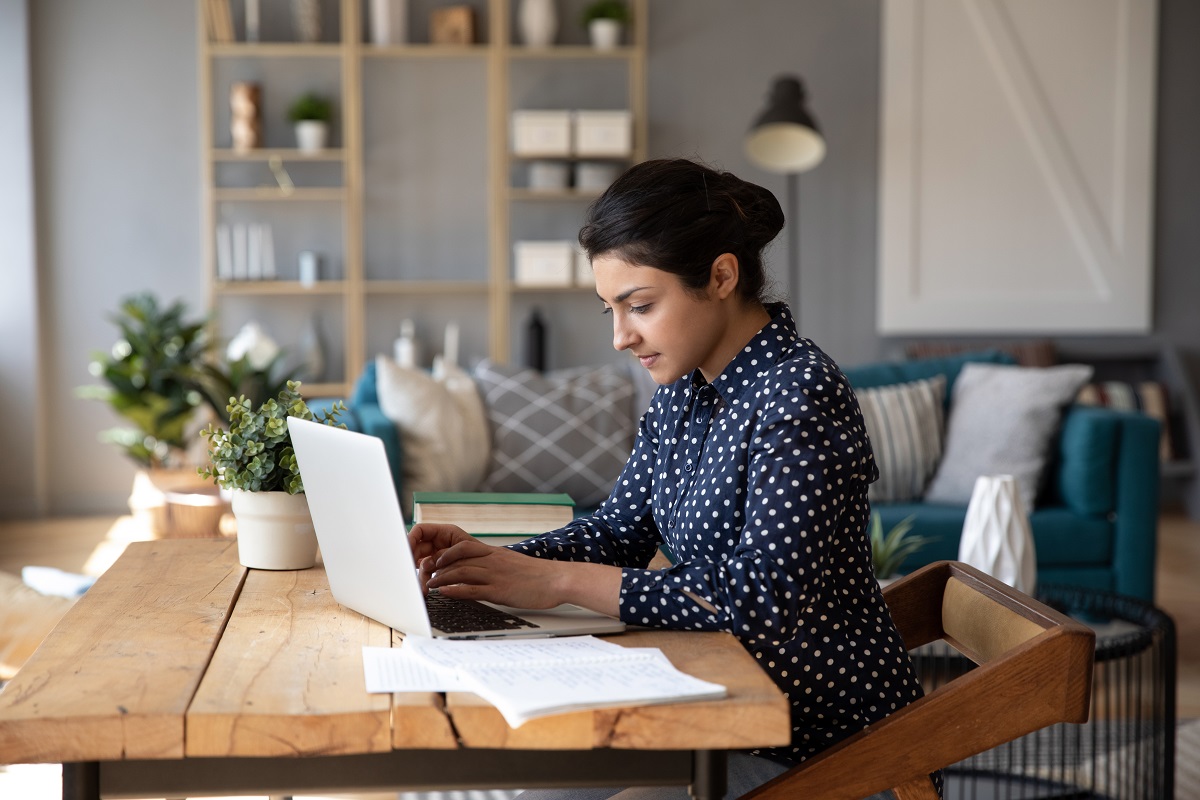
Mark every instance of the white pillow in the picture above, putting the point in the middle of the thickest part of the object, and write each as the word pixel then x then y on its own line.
pixel 442 425
pixel 1002 422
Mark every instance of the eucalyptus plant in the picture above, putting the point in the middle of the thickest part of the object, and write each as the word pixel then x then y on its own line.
pixel 889 551
pixel 255 453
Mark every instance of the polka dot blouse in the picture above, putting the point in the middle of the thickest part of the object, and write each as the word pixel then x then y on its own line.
pixel 756 484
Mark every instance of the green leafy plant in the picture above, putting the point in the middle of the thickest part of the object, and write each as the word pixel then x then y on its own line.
pixel 255 453
pixel 606 9
pixel 889 551
pixel 151 378
pixel 310 106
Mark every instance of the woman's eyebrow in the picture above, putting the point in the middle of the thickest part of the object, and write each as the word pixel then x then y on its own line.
pixel 623 295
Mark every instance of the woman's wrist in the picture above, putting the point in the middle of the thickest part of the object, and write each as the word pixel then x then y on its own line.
pixel 592 586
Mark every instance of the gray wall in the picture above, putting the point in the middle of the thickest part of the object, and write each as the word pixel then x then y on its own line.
pixel 117 176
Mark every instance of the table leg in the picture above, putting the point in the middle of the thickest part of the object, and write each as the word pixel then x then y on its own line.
pixel 81 781
pixel 709 775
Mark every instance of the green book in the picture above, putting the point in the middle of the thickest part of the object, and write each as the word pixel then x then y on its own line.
pixel 495 513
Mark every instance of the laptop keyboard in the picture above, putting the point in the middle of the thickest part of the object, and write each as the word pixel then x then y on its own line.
pixel 462 616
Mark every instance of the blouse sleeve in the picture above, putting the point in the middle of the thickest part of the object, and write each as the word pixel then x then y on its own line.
pixel 622 531
pixel 807 470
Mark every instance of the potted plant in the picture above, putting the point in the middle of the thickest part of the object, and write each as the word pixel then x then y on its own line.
pixel 604 20
pixel 889 551
pixel 253 458
pixel 311 114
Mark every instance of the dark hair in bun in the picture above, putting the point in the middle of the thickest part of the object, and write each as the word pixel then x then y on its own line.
pixel 678 216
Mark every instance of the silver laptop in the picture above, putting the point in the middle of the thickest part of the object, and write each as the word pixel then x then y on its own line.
pixel 364 544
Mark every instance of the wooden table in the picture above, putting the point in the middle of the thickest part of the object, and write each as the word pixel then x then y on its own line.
pixel 182 673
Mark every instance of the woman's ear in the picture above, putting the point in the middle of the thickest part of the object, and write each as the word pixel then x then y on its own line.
pixel 723 278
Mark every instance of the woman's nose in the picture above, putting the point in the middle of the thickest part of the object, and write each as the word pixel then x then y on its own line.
pixel 623 337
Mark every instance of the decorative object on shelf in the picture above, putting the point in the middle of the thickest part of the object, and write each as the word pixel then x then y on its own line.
pixel 312 351
pixel 254 459
pixel 543 263
pixel 252 20
pixel 602 133
pixel 224 252
pixel 604 20
pixel 888 551
pixel 389 22
pixel 452 25
pixel 150 376
pixel 311 114
pixel 535 342
pixel 245 120
pixel 594 176
pixel 785 139
pixel 996 536
pixel 541 133
pixel 549 176
pixel 286 185
pixel 583 268
pixel 308 266
pixel 537 21
pixel 306 18
pixel 219 20
pixel 407 349
pixel 450 345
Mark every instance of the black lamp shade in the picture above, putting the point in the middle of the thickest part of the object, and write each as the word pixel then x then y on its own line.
pixel 785 137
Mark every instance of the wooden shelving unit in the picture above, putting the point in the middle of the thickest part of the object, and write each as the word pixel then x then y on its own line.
pixel 349 203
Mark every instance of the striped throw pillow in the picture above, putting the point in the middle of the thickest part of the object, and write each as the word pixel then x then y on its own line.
pixel 905 424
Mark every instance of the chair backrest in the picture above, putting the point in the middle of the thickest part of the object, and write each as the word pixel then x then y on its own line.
pixel 1035 669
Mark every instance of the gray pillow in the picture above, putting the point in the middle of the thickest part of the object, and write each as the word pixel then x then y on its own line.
pixel 904 424
pixel 1002 422
pixel 568 431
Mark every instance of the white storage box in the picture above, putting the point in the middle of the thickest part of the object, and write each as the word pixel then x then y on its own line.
pixel 549 263
pixel 603 133
pixel 549 176
pixel 541 133
pixel 583 269
pixel 595 176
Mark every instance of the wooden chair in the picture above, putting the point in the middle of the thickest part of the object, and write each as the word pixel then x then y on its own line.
pixel 1035 669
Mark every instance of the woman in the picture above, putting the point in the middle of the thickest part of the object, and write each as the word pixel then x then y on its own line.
pixel 751 466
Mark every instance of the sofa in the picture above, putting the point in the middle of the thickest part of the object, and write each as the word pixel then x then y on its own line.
pixel 1094 519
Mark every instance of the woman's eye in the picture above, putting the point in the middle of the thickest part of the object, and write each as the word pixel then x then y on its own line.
pixel 606 310
pixel 639 309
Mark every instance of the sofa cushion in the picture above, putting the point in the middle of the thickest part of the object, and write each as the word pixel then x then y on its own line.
pixel 568 431
pixel 442 425
pixel 1002 422
pixel 884 373
pixel 1086 464
pixel 904 423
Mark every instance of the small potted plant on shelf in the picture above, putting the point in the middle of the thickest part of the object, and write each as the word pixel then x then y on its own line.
pixel 311 113
pixel 889 551
pixel 604 20
pixel 254 459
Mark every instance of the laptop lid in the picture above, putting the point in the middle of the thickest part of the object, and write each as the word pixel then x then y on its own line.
pixel 364 541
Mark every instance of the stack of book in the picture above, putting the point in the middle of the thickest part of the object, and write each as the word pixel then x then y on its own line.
pixel 497 518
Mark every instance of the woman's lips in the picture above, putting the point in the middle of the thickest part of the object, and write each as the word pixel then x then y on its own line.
pixel 648 361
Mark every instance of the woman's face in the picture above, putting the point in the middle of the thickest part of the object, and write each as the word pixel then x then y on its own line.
pixel 671 330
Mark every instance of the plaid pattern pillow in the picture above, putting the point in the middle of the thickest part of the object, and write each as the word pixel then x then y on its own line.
pixel 904 423
pixel 567 431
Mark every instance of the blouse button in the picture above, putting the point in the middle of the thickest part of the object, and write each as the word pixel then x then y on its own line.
pixel 688 465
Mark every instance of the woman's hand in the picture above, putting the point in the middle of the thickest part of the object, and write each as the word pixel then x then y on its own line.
pixel 459 565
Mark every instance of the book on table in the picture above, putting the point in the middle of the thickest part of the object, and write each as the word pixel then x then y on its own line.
pixel 497 518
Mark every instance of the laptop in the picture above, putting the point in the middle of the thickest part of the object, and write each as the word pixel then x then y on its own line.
pixel 364 544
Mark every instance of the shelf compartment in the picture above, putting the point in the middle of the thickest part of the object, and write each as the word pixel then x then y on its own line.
pixel 275 50
pixel 265 154
pixel 570 52
pixel 533 195
pixel 258 287
pixel 385 287
pixel 404 51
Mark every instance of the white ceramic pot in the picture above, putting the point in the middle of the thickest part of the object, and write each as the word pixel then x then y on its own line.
pixel 311 135
pixel 274 530
pixel 604 33
pixel 538 21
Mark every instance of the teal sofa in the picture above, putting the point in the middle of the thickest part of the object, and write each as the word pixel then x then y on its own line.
pixel 1095 524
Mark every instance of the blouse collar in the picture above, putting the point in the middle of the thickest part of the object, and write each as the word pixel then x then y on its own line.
pixel 774 342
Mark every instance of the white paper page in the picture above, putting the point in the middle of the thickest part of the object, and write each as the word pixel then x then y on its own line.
pixel 450 653
pixel 525 691
pixel 390 670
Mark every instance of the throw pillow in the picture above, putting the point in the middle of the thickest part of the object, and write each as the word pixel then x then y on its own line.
pixel 567 431
pixel 1002 422
pixel 904 423
pixel 442 426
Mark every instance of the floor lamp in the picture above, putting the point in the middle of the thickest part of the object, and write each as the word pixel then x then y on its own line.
pixel 785 139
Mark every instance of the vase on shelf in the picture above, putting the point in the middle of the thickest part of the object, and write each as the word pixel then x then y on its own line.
pixel 306 18
pixel 312 351
pixel 311 135
pixel 245 115
pixel 538 22
pixel 605 34
pixel 388 22
pixel 274 530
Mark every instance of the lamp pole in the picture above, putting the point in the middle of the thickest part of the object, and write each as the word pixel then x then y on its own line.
pixel 785 139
